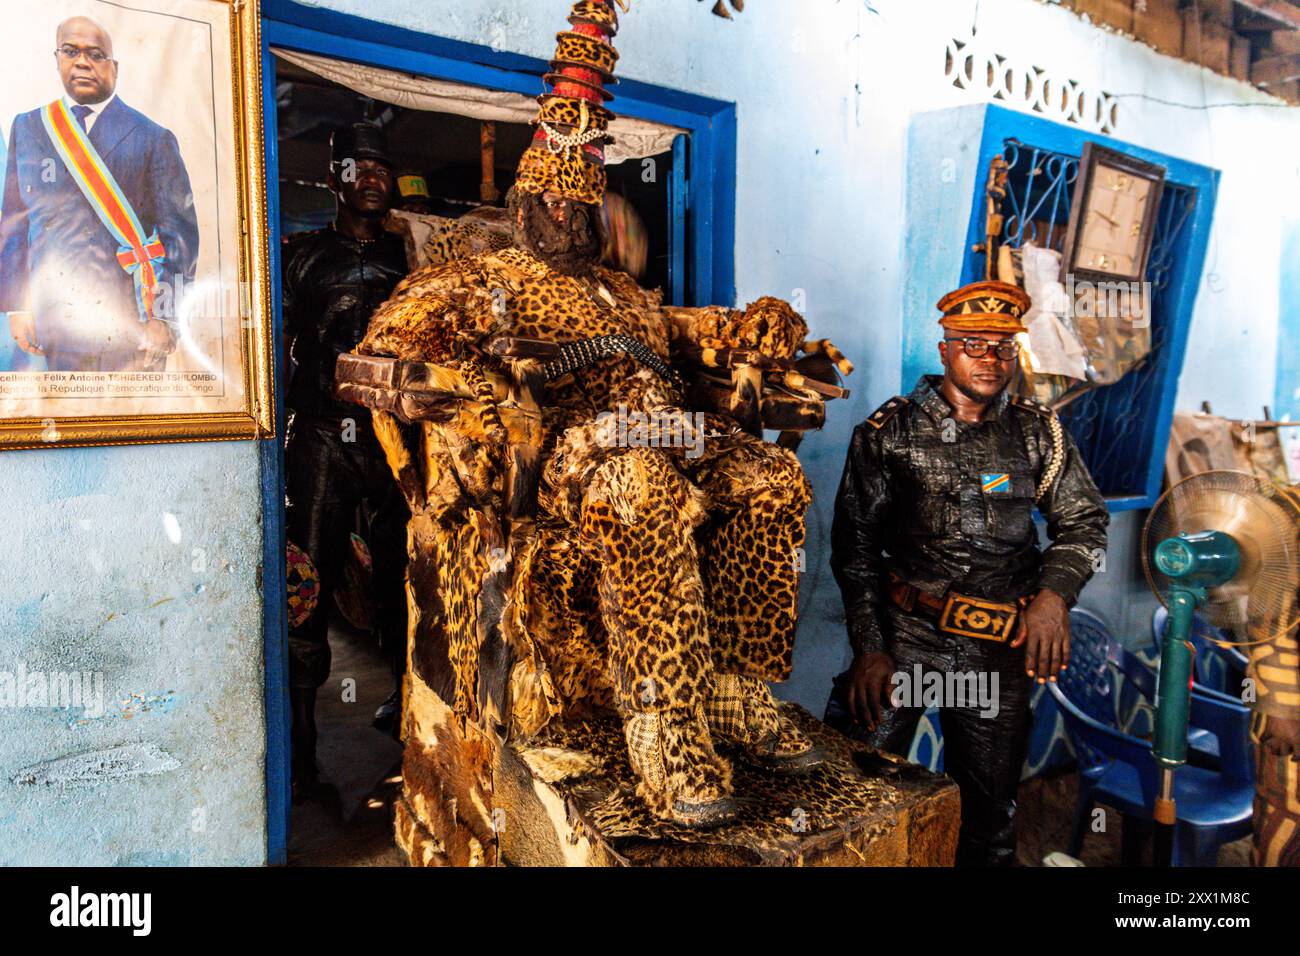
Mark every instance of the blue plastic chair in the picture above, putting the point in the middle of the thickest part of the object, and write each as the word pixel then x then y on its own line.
pixel 1140 683
pixel 1117 769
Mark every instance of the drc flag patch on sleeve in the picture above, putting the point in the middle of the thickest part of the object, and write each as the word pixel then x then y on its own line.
pixel 996 484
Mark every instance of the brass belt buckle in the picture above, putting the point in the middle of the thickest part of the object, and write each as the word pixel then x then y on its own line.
pixel 976 617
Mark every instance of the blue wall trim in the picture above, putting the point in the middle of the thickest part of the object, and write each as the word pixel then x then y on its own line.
pixel 275 627
pixel 678 200
pixel 928 152
pixel 940 177
pixel 719 286
pixel 1286 400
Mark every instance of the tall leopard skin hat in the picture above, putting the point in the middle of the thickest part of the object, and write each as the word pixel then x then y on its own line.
pixel 567 154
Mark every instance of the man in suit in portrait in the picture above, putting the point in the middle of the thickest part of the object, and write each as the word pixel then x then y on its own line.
pixel 98 233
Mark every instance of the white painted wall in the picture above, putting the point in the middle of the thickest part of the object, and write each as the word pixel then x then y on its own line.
pixel 140 565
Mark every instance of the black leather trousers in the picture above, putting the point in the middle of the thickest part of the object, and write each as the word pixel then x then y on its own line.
pixel 983 754
pixel 326 479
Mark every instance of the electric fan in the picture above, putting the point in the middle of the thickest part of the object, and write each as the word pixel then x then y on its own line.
pixel 1224 543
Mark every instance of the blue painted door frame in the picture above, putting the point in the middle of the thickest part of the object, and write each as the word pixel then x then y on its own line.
pixel 678 203
pixel 924 275
pixel 275 620
pixel 708 192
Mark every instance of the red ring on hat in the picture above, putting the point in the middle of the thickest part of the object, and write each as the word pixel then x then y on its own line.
pixel 579 87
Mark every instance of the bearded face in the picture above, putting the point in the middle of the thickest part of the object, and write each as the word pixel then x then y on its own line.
pixel 980 379
pixel 568 236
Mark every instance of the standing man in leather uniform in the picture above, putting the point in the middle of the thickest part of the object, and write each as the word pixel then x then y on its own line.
pixel 333 281
pixel 936 555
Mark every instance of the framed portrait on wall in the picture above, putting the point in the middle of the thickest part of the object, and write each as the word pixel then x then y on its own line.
pixel 134 298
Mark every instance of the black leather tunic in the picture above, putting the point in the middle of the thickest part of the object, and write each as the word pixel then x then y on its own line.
pixel 914 499
pixel 332 285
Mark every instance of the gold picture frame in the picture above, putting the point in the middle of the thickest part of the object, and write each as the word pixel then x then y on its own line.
pixel 246 409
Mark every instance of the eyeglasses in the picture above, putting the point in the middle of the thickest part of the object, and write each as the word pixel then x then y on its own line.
pixel 1006 349
pixel 93 54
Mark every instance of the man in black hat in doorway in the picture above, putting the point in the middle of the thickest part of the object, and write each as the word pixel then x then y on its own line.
pixel 333 279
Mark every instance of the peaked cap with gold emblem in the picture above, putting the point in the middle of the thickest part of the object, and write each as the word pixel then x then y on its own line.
pixel 985 307
pixel 567 154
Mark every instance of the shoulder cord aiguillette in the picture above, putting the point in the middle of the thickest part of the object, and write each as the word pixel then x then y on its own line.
pixel 1058 458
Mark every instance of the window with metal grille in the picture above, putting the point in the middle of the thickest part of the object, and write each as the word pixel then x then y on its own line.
pixel 1113 425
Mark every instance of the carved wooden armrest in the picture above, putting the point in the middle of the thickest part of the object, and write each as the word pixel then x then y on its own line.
pixel 401 386
pixel 437 394
pixel 764 392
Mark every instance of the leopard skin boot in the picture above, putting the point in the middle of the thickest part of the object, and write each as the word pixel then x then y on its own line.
pixel 682 779
pixel 742 711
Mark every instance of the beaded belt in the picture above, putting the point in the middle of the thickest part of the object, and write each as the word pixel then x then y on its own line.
pixel 576 355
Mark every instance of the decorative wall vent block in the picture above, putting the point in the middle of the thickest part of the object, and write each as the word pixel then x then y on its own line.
pixel 987 74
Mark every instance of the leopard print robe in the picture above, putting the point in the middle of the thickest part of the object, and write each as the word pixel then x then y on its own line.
pixel 649 566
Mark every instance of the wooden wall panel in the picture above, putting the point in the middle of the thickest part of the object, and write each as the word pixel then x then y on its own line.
pixel 1161 26
pixel 1283 41
pixel 1239 58
pixel 1220 11
pixel 1205 41
pixel 1115 13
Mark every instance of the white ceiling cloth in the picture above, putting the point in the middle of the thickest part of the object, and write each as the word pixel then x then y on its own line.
pixel 633 138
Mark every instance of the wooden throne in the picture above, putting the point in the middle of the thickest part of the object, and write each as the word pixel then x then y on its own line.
pixel 489 781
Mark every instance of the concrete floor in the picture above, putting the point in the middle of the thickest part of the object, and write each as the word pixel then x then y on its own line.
pixel 351 822
pixel 1046 812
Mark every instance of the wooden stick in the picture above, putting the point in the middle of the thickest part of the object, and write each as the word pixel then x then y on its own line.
pixel 487 142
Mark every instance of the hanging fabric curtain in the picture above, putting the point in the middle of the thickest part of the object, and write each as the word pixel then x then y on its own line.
pixel 633 138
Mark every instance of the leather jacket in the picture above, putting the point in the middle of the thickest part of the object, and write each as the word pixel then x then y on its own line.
pixel 949 505
pixel 332 285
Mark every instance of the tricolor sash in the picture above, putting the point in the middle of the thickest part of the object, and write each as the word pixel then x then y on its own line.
pixel 140 256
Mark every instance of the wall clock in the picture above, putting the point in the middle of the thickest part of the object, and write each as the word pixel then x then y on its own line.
pixel 1112 216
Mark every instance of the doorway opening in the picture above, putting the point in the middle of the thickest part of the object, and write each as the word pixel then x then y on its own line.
pixel 448 163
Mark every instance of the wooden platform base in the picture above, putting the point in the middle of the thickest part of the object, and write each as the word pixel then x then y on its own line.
pixel 567 799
